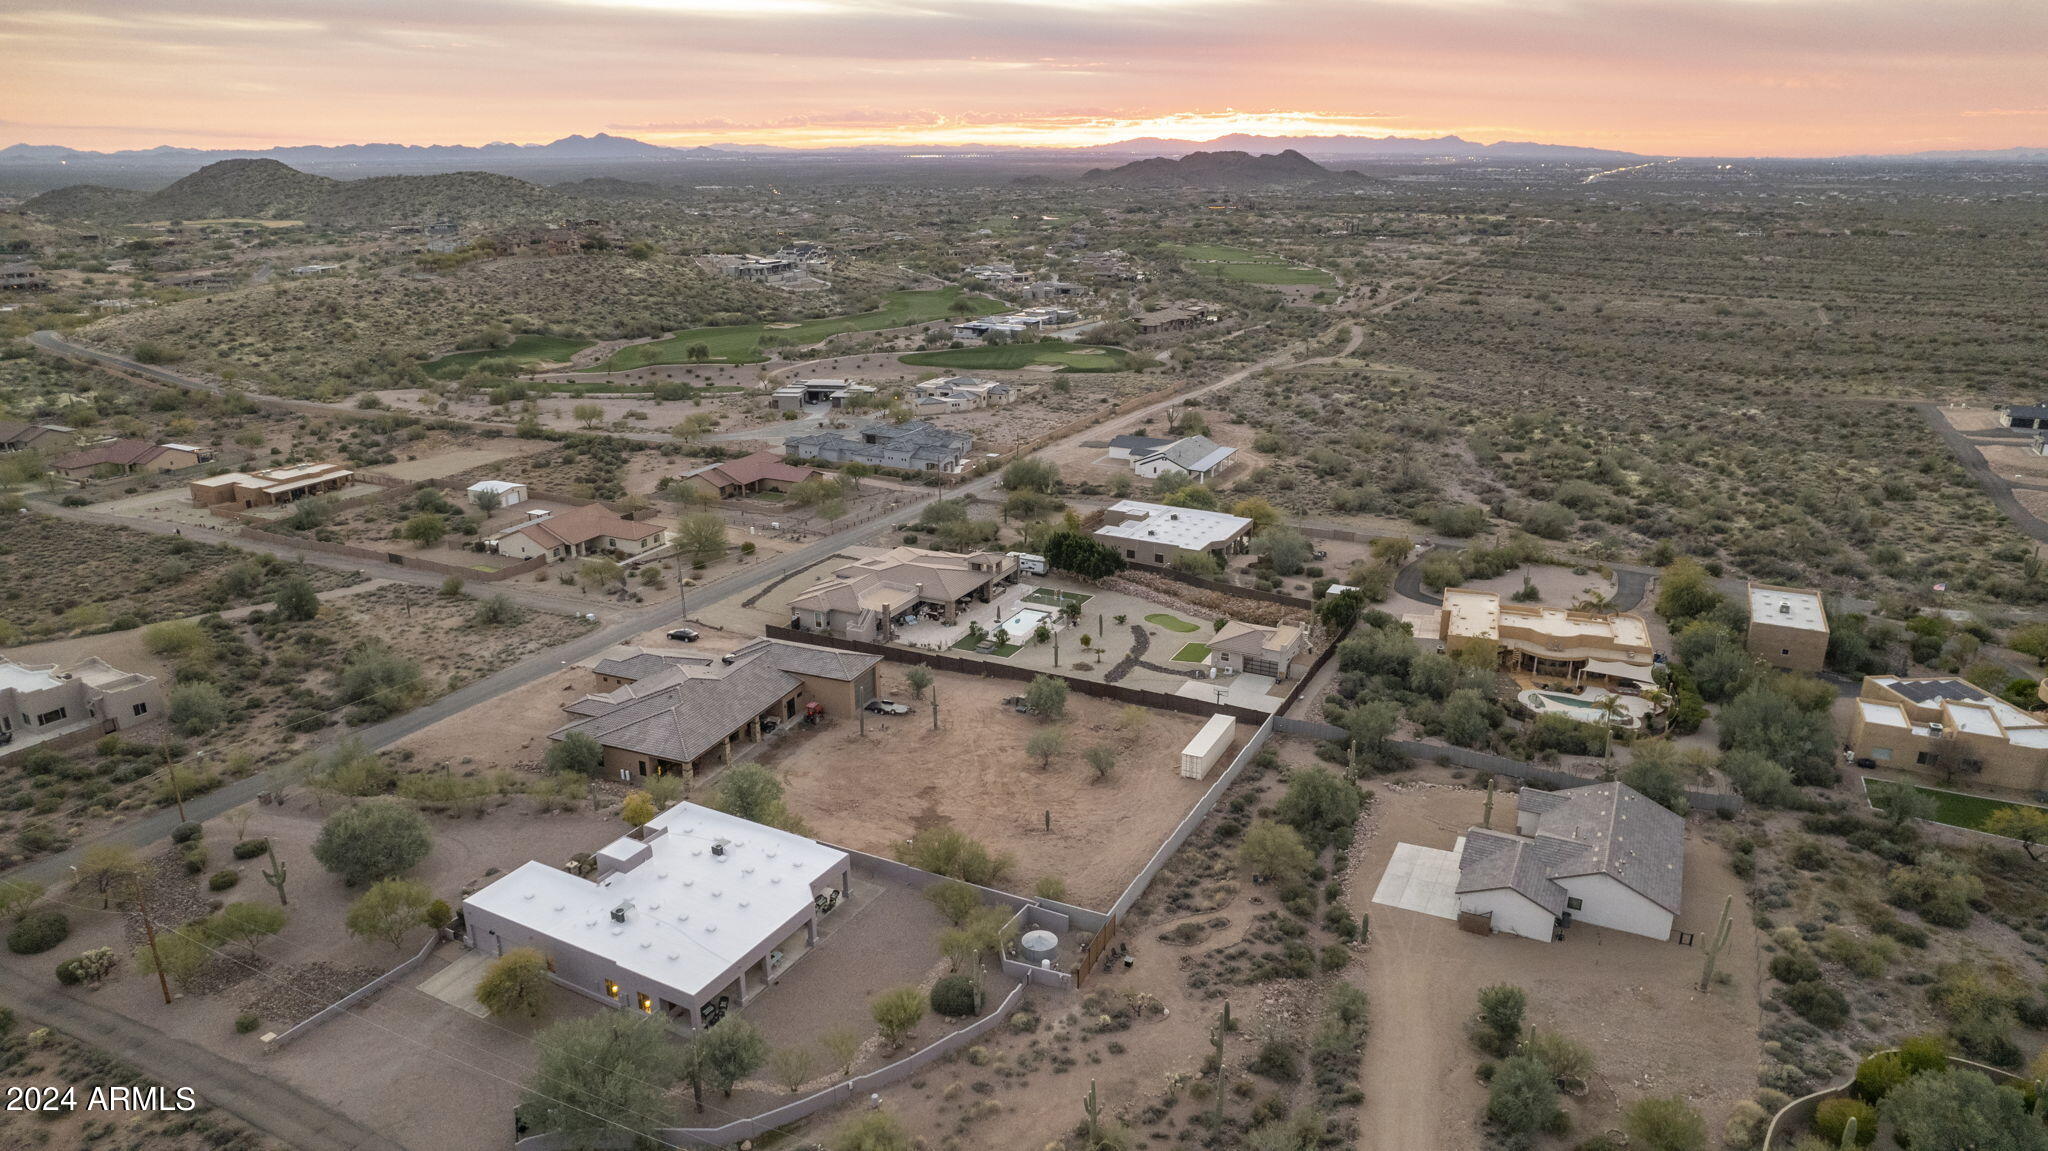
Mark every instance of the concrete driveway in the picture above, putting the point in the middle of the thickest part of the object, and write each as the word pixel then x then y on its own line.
pixel 1422 879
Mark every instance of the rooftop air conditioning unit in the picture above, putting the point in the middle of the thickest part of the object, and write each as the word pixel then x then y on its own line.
pixel 718 848
pixel 1934 729
pixel 619 912
pixel 1784 609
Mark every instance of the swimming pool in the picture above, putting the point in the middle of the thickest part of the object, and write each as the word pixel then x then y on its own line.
pixel 1020 626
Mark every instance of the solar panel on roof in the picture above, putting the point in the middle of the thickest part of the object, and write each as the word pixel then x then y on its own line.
pixel 1927 691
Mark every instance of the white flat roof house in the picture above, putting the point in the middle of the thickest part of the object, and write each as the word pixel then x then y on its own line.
pixel 1155 534
pixel 696 915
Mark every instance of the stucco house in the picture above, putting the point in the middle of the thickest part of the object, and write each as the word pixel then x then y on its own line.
pixel 43 704
pixel 1254 649
pixel 1547 643
pixel 269 487
pixel 692 916
pixel 122 457
pixel 762 471
pixel 587 530
pixel 1604 854
pixel 677 714
pixel 1155 535
pixel 1943 728
pixel 865 599
pixel 1788 627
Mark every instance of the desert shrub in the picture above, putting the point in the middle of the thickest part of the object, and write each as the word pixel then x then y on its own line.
pixel 1833 1118
pixel 1795 966
pixel 1498 1027
pixel 251 848
pixel 953 996
pixel 1877 1075
pixel 186 832
pixel 1817 1003
pixel 223 879
pixel 1521 1098
pixel 1664 1123
pixel 37 932
pixel 1277 1060
pixel 246 1022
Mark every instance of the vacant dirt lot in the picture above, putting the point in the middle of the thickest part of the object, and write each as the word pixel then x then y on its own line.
pixel 1632 1000
pixel 873 792
pixel 459 458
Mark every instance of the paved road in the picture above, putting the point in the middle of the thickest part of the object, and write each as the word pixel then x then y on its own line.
pixel 264 1103
pixel 1994 485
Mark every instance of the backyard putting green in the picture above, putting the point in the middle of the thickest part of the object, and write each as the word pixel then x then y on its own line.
pixel 1192 653
pixel 1950 807
pixel 1171 622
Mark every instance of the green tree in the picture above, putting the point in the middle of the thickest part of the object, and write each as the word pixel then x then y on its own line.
pixel 1685 592
pixel 515 985
pixel 423 530
pixel 197 708
pixel 1664 1123
pixel 1770 723
pixel 587 414
pixel 1073 551
pixel 1275 850
pixel 296 599
pixel 1102 758
pixel 599 572
pixel 1044 745
pixel 2029 825
pixel 575 752
pixel 1657 778
pixel 1047 697
pixel 793 1066
pixel 954 899
pixel 638 809
pixel 390 910
pixel 105 868
pixel 372 841
pixel 702 538
pixel 1902 804
pixel 1466 718
pixel 751 792
pixel 731 1050
pixel 1960 1111
pixel 898 1012
pixel 378 682
pixel 605 1073
pixel 1030 474
pixel 1498 1027
pixel 951 852
pixel 919 679
pixel 245 923
pixel 1521 1099
pixel 1321 806
pixel 1287 550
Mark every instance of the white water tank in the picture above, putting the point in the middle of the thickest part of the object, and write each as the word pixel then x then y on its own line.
pixel 1039 946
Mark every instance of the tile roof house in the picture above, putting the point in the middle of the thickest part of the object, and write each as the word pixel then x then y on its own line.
pixel 865 599
pixel 16 437
pixel 693 915
pixel 748 474
pixel 580 531
pixel 1604 854
pixel 1196 456
pixel 676 713
pixel 124 456
pixel 1254 649
pixel 912 447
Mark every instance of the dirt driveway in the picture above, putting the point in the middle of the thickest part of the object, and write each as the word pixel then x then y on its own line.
pixel 1631 999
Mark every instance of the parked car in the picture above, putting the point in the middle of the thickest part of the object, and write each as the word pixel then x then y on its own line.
pixel 683 635
pixel 887 707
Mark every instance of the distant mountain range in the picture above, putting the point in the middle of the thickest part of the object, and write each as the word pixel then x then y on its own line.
pixel 270 190
pixel 604 149
pixel 1218 170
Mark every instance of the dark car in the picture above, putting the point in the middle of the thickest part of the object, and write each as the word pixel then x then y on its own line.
pixel 684 635
pixel 887 707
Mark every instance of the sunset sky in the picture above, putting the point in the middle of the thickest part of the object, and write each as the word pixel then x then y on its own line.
pixel 1699 77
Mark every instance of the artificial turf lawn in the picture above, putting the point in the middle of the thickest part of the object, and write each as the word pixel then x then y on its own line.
pixel 1192 653
pixel 998 357
pixel 1951 807
pixel 1171 622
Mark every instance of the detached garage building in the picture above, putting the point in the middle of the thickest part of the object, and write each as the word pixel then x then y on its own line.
pixel 1606 854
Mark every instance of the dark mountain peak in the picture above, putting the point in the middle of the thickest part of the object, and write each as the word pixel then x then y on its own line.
pixel 1217 168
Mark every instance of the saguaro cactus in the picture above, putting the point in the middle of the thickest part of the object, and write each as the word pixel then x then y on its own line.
pixel 275 876
pixel 1716 942
pixel 1094 1111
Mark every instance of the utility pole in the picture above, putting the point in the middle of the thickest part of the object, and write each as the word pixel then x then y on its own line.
pixel 935 705
pixel 149 932
pixel 171 774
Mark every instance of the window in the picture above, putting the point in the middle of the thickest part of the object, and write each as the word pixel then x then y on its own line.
pixel 50 717
pixel 646 1004
pixel 140 709
pixel 1920 757
pixel 1784 651
pixel 1574 903
pixel 1157 558
pixel 611 989
pixel 1130 553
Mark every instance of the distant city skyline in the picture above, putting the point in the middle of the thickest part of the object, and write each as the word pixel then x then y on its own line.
pixel 1660 77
